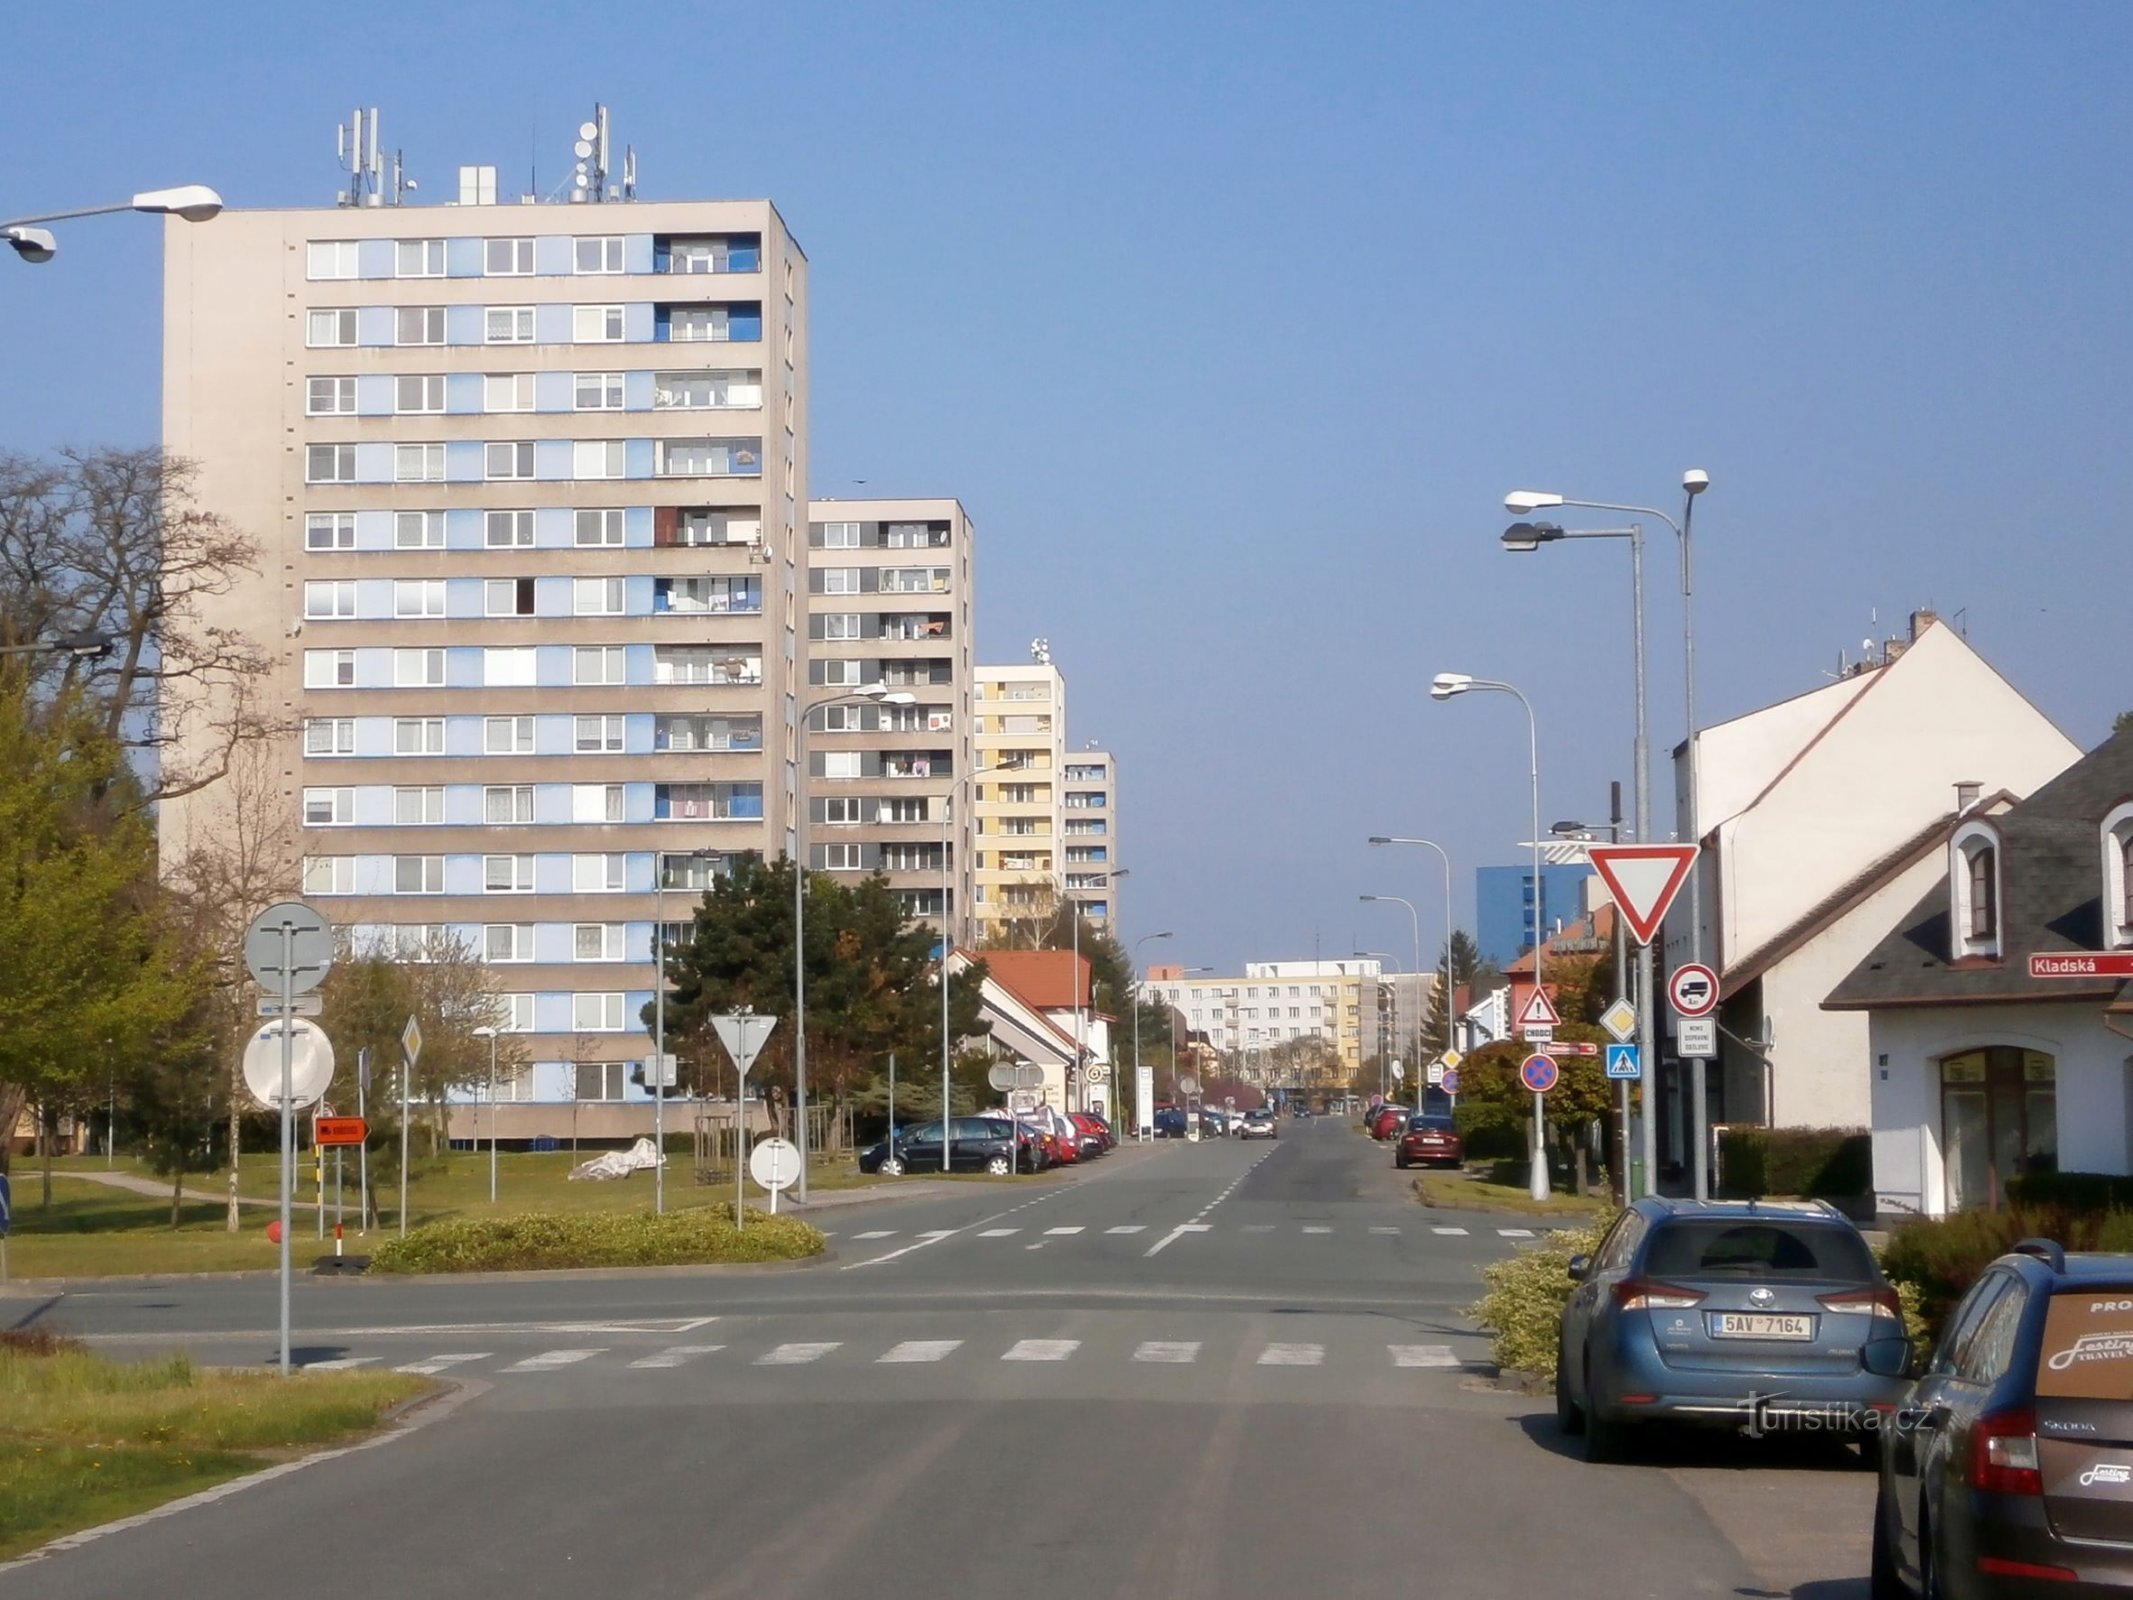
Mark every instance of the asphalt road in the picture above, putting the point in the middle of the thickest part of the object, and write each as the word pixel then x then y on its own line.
pixel 1216 1370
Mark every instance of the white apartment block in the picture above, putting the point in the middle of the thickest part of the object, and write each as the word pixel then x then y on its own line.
pixel 889 602
pixel 529 485
pixel 1278 1002
pixel 1019 721
pixel 1088 823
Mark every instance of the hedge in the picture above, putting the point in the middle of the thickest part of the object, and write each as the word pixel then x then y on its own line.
pixel 2078 1191
pixel 1819 1163
pixel 702 1235
pixel 1527 1291
pixel 1944 1257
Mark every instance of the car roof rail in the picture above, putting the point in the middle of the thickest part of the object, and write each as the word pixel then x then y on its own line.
pixel 2049 1251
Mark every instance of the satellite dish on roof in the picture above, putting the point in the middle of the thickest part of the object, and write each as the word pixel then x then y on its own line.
pixel 588 130
pixel 582 148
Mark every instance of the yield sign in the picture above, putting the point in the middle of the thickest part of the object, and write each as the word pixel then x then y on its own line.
pixel 1538 1011
pixel 744 1035
pixel 1643 878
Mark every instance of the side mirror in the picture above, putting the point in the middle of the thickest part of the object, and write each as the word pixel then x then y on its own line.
pixel 1579 1268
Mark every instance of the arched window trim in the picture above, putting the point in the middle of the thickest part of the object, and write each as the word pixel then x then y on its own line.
pixel 1976 883
pixel 2116 839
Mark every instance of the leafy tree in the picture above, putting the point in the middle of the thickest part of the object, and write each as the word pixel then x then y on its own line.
pixel 2122 723
pixel 1495 1106
pixel 1459 964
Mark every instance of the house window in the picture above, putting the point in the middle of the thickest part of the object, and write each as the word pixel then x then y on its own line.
pixel 1982 867
pixel 328 600
pixel 599 458
pixel 596 324
pixel 601 527
pixel 598 391
pixel 507 597
pixel 600 735
pixel 510 667
pixel 330 463
pixel 329 875
pixel 1999 1120
pixel 418 258
pixel 330 258
pixel 596 802
pixel 418 463
pixel 840 580
pixel 598 1080
pixel 507 258
pixel 330 330
pixel 507 805
pixel 507 391
pixel 507 325
pixel 418 669
pixel 507 460
pixel 507 941
pixel 598 664
pixel 840 536
pixel 507 530
pixel 507 874
pixel 597 941
pixel 418 736
pixel 514 1014
pixel 418 597
pixel 596 597
pixel 330 397
pixel 418 874
pixel 418 530
pixel 418 807
pixel 597 874
pixel 329 736
pixel 418 325
pixel 330 530
pixel 840 764
pixel 329 808
pixel 417 393
pixel 841 857
pixel 2118 877
pixel 598 255
pixel 329 669
pixel 507 736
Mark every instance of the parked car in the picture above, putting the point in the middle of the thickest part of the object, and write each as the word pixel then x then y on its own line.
pixel 1430 1140
pixel 1170 1122
pixel 2009 1467
pixel 1259 1124
pixel 975 1144
pixel 1387 1120
pixel 1066 1137
pixel 1091 1136
pixel 1769 1314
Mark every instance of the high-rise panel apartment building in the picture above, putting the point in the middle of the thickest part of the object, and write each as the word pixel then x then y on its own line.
pixel 1020 717
pixel 529 483
pixel 1088 821
pixel 888 785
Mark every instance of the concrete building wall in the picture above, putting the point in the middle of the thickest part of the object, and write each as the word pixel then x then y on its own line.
pixel 1019 728
pixel 1089 841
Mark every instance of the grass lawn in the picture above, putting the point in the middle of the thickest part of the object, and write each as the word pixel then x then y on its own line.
pixel 84 1440
pixel 1457 1193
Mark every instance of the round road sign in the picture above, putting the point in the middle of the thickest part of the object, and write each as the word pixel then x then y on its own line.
pixel 310 1063
pixel 1692 990
pixel 1538 1073
pixel 292 933
pixel 774 1164
pixel 1001 1076
pixel 1451 1080
pixel 1189 1084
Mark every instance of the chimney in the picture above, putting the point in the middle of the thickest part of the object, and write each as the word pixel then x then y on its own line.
pixel 1922 620
pixel 1891 649
pixel 1966 795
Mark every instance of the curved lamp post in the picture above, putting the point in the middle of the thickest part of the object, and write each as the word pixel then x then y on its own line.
pixel 1415 920
pixel 1443 856
pixel 194 202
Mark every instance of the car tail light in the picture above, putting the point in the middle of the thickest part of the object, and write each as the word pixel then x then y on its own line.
pixel 1649 1294
pixel 1864 1303
pixel 2003 1454
pixel 2001 1567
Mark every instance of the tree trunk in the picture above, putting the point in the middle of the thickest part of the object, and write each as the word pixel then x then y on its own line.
pixel 177 1195
pixel 236 1135
pixel 47 1126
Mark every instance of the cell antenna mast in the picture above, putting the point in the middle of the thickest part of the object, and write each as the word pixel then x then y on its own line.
pixel 588 179
pixel 356 142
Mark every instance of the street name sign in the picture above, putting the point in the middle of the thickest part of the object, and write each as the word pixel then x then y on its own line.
pixel 1620 1020
pixel 329 1131
pixel 2083 964
pixel 1643 878
pixel 1696 1038
pixel 1538 1073
pixel 1623 1062
pixel 1692 990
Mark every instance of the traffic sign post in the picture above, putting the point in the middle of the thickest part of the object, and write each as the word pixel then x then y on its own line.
pixel 744 1034
pixel 1451 1082
pixel 1696 1038
pixel 775 1164
pixel 7 1219
pixel 1537 1018
pixel 1538 1073
pixel 1692 990
pixel 1620 1021
pixel 410 1053
pixel 1643 879
pixel 1623 1062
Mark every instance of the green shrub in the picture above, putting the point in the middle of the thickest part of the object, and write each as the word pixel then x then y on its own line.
pixel 1944 1257
pixel 1820 1163
pixel 2079 1191
pixel 1526 1294
pixel 703 1234
pixel 1487 1135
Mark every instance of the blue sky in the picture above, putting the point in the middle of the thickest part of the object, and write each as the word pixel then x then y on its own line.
pixel 1233 324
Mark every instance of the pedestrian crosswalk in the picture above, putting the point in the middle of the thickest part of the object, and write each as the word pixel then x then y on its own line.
pixel 1315 1230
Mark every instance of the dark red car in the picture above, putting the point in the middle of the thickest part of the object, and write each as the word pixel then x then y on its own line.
pixel 1095 1137
pixel 1387 1121
pixel 1429 1140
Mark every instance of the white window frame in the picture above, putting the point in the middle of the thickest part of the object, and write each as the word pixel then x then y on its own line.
pixel 506 590
pixel 330 463
pixel 596 459
pixel 510 666
pixel 516 256
pixel 428 732
pixel 327 737
pixel 427 256
pixel 503 943
pixel 330 328
pixel 599 664
pixel 842 857
pixel 605 253
pixel 330 397
pixel 418 805
pixel 507 325
pixel 514 1014
pixel 605 872
pixel 427 389
pixel 596 391
pixel 597 803
pixel 506 392
pixel 598 597
pixel 838 674
pixel 418 530
pixel 432 323
pixel 507 805
pixel 331 260
pixel 328 875
pixel 329 599
pixel 840 580
pixel 597 1013
pixel 2114 837
pixel 598 324
pixel 517 526
pixel 420 668
pixel 429 874
pixel 608 521
pixel 610 941
pixel 841 763
pixel 329 669
pixel 418 597
pixel 418 463
pixel 508 461
pixel 507 736
pixel 506 874
pixel 609 734
pixel 329 530
pixel 329 807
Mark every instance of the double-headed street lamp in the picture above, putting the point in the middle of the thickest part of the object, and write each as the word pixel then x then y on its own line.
pixel 194 202
pixel 1134 1000
pixel 1446 686
pixel 1415 920
pixel 872 694
pixel 1528 536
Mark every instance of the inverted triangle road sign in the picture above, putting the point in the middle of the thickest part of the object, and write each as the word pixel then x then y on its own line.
pixel 1538 1011
pixel 744 1036
pixel 1643 878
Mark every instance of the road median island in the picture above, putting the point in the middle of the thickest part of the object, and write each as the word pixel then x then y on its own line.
pixel 86 1440
pixel 1456 1192
pixel 703 1236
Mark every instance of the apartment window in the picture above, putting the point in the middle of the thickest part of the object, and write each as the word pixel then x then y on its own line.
pixel 418 669
pixel 329 808
pixel 330 330
pixel 706 391
pixel 507 736
pixel 598 1080
pixel 418 463
pixel 841 625
pixel 507 805
pixel 596 802
pixel 840 764
pixel 507 874
pixel 508 460
pixel 700 325
pixel 418 325
pixel 904 809
pixel 843 811
pixel 596 324
pixel 598 664
pixel 323 601
pixel 1982 866
pixel 507 941
pixel 507 391
pixel 597 941
pixel 510 666
pixel 418 530
pixel 418 736
pixel 330 397
pixel 330 463
pixel 507 325
pixel 329 875
pixel 602 527
pixel 418 258
pixel 692 871
pixel 706 664
pixel 599 458
pixel 329 669
pixel 601 735
pixel 914 536
pixel 330 530
pixel 418 874
pixel 514 1014
pixel 507 597
pixel 329 736
pixel 596 597
pixel 840 536
pixel 596 1013
pixel 599 255
pixel 708 458
pixel 421 807
pixel 840 580
pixel 418 597
pixel 842 674
pixel 418 393
pixel 841 857
pixel 507 530
pixel 598 874
pixel 598 391
pixel 330 258
pixel 507 258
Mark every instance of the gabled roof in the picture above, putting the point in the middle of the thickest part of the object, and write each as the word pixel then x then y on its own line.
pixel 2051 901
pixel 1595 927
pixel 1015 1022
pixel 1046 979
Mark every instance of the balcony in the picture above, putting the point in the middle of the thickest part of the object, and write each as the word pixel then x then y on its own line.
pixel 911 627
pixel 691 254
pixel 710 458
pixel 917 764
pixel 716 596
pixel 689 735
pixel 696 527
pixel 706 664
pixel 706 391
pixel 707 802
pixel 734 322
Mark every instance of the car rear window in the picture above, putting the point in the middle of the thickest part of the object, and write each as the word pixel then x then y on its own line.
pixel 1696 1248
pixel 1433 1123
pixel 2087 1351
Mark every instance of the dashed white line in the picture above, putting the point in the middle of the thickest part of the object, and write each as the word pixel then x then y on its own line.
pixel 1174 1351
pixel 1422 1355
pixel 1293 1355
pixel 795 1355
pixel 1516 1233
pixel 1318 1230
pixel 919 1350
pixel 998 1233
pixel 1452 1232
pixel 437 1364
pixel 876 1233
pixel 1259 1227
pixel 1394 1231
pixel 1042 1350
pixel 675 1355
pixel 1129 1227
pixel 1053 1232
pixel 339 1364
pixel 939 1233
pixel 549 1360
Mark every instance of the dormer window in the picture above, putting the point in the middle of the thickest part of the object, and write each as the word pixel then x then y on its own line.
pixel 1974 889
pixel 2118 878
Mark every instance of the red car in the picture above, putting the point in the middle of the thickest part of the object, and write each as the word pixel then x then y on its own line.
pixel 1095 1137
pixel 1387 1121
pixel 1429 1141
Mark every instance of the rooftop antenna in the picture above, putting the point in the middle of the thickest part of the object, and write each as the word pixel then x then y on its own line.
pixel 588 181
pixel 356 143
pixel 629 172
pixel 1040 651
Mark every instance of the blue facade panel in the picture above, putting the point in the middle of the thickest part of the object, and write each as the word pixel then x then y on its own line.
pixel 374 258
pixel 1503 906
pixel 637 322
pixel 637 390
pixel 551 803
pixel 554 528
pixel 551 734
pixel 463 531
pixel 463 324
pixel 463 394
pixel 552 255
pixel 551 460
pixel 374 463
pixel 551 598
pixel 462 461
pixel 637 528
pixel 462 667
pixel 374 326
pixel 462 875
pixel 462 258
pixel 551 874
pixel 637 252
pixel 637 458
pixel 374 394
pixel 553 391
pixel 551 324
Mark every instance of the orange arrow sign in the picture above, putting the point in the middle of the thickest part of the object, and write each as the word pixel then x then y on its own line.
pixel 340 1130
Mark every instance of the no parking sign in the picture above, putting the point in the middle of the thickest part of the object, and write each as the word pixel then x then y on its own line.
pixel 1538 1073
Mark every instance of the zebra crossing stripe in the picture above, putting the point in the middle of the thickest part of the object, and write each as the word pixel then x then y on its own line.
pixel 1385 1230
pixel 1318 1230
pixel 1054 1232
pixel 675 1355
pixel 1129 1227
pixel 939 1233
pixel 549 1360
pixel 919 1350
pixel 876 1233
pixel 1293 1355
pixel 1453 1232
pixel 1178 1351
pixel 1042 1350
pixel 1516 1233
pixel 1422 1355
pixel 793 1355
pixel 998 1233
pixel 1259 1227
pixel 437 1364
pixel 339 1364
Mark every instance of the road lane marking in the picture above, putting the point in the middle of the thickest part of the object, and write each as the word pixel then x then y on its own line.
pixel 1259 1227
pixel 1453 1232
pixel 1177 1233
pixel 1177 1351
pixel 339 1364
pixel 968 1227
pixel 1516 1233
pixel 937 1233
pixel 1129 1227
pixel 674 1355
pixel 795 1355
pixel 999 1233
pixel 1394 1231
pixel 876 1233
pixel 1318 1230
pixel 1051 1232
pixel 437 1364
pixel 1422 1355
pixel 1042 1350
pixel 1293 1355
pixel 549 1360
pixel 919 1350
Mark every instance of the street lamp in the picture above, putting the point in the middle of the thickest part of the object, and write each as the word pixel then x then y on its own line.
pixel 1183 972
pixel 1449 685
pixel 194 202
pixel 1393 963
pixel 1135 1002
pixel 1431 844
pixel 1693 483
pixel 871 694
pixel 1081 1048
pixel 489 1033
pixel 1415 919
pixel 947 942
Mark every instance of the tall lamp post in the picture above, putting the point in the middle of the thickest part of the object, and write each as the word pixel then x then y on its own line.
pixel 194 202
pixel 1446 686
pixel 1431 844
pixel 1183 972
pixel 489 1033
pixel 1392 965
pixel 1693 483
pixel 872 694
pixel 1415 919
pixel 947 939
pixel 1081 1048
pixel 1135 1002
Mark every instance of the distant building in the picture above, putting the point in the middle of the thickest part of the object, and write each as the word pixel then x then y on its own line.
pixel 1089 833
pixel 1276 1002
pixel 1504 906
pixel 1019 718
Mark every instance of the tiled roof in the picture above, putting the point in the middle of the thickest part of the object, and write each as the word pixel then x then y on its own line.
pixel 2051 901
pixel 1046 979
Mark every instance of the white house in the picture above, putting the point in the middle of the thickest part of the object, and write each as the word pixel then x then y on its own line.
pixel 1821 817
pixel 1983 1068
pixel 1040 1004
